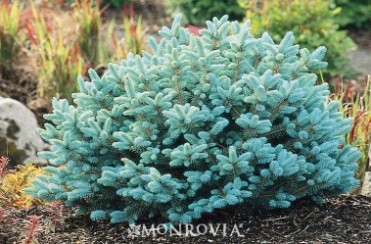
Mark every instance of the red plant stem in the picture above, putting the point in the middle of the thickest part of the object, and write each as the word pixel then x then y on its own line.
pixel 33 227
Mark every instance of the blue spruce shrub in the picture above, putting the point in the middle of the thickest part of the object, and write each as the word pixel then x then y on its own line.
pixel 198 123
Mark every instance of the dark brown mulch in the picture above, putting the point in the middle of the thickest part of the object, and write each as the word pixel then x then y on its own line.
pixel 20 84
pixel 346 219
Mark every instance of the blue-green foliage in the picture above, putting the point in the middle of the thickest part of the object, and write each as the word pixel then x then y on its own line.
pixel 197 124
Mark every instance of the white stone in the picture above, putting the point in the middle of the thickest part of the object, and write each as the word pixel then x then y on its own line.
pixel 18 133
pixel 366 182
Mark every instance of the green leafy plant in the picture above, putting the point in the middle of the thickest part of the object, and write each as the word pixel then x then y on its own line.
pixel 116 3
pixel 202 123
pixel 196 12
pixel 354 13
pixel 11 36
pixel 311 22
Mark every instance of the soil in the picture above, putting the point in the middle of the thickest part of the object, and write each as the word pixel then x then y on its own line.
pixel 346 219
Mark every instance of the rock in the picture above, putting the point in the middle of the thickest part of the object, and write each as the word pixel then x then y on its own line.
pixel 19 139
pixel 366 183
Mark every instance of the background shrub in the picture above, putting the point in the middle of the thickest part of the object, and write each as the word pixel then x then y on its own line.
pixel 116 3
pixel 354 13
pixel 196 12
pixel 313 24
pixel 113 3
pixel 204 123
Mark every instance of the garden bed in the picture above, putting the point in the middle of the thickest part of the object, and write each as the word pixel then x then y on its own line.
pixel 346 219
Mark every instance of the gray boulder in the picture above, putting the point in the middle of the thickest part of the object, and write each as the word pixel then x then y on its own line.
pixel 19 139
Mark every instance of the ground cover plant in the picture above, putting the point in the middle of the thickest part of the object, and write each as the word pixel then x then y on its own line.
pixel 14 201
pixel 15 181
pixel 199 124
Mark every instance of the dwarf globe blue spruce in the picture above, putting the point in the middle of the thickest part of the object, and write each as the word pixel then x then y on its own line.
pixel 197 124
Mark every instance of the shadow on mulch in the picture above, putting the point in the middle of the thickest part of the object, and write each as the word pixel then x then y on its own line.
pixel 346 219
